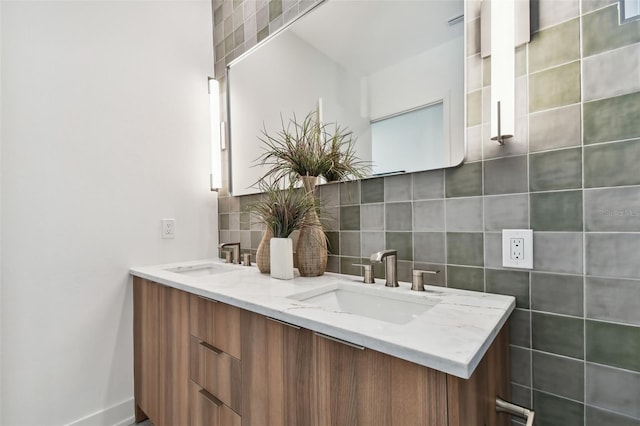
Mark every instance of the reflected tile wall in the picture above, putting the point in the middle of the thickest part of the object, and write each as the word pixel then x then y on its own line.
pixel 571 175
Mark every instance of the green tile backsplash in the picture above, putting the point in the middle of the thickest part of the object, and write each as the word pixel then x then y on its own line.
pixel 570 174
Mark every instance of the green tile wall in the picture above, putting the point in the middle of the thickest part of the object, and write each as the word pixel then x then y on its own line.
pixel 566 147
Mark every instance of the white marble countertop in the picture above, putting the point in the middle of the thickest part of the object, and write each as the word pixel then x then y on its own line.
pixel 451 336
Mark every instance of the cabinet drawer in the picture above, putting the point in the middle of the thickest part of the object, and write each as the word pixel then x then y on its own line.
pixel 217 372
pixel 207 410
pixel 216 323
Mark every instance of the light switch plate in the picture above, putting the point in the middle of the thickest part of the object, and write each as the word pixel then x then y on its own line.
pixel 517 248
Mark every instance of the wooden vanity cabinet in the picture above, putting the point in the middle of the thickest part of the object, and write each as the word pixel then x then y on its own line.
pixel 203 363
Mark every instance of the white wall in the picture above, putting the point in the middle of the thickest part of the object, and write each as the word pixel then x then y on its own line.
pixel 403 86
pixel 105 131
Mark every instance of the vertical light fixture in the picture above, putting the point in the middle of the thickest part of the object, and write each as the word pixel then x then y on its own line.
pixel 503 17
pixel 216 130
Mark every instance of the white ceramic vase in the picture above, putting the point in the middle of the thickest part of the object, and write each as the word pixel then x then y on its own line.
pixel 281 251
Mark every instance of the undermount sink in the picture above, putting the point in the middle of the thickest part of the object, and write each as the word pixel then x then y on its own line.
pixel 201 269
pixel 377 303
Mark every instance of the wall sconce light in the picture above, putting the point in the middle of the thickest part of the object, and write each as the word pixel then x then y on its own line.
pixel 216 135
pixel 505 25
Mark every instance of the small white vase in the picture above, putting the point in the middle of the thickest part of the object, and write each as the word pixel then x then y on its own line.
pixel 281 258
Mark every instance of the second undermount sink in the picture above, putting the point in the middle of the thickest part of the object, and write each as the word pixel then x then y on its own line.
pixel 201 269
pixel 382 304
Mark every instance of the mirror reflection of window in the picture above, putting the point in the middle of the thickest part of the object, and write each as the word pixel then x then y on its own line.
pixel 629 10
pixel 409 141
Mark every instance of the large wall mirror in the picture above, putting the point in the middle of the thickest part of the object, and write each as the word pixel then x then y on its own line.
pixel 392 71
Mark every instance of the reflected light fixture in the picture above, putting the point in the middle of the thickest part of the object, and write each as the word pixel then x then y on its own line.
pixel 216 135
pixel 503 16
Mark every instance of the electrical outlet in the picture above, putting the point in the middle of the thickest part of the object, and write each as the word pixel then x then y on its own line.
pixel 168 228
pixel 517 248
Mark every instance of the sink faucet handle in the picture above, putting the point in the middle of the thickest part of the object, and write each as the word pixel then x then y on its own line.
pixel 417 280
pixel 228 256
pixel 368 272
pixel 236 251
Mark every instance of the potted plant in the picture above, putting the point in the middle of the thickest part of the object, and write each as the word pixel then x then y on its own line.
pixel 282 210
pixel 303 151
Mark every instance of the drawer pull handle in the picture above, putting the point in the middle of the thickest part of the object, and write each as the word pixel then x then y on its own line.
pixel 283 323
pixel 210 347
pixel 344 342
pixel 206 299
pixel 215 401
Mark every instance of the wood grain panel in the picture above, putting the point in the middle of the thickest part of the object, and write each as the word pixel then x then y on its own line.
pixel 207 410
pixel 222 376
pixel 216 323
pixel 277 373
pixel 472 401
pixel 146 339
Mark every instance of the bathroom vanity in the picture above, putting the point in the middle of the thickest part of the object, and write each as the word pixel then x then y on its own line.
pixel 219 344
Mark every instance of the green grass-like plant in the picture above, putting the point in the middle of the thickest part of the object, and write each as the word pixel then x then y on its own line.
pixel 284 210
pixel 308 148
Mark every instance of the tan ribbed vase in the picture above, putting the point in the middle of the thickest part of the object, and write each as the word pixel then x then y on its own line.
pixel 263 255
pixel 311 251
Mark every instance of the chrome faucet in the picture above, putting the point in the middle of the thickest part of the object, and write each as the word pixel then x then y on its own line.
pixel 236 251
pixel 391 265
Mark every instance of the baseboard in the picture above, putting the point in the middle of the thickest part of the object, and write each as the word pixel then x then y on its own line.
pixel 121 414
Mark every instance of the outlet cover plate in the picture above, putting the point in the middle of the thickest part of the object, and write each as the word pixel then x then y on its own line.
pixel 509 261
pixel 168 228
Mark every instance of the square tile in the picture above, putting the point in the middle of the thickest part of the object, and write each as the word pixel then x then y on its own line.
pixel 554 87
pixel 612 119
pixel 611 73
pixel 601 31
pixel 556 211
pixel 402 242
pixel 398 188
pixel 560 294
pixel 512 283
pixel 465 248
pixel 428 185
pixel 591 5
pixel 429 247
pixel 350 218
pixel 613 255
pixel 612 344
pixel 597 417
pixel 493 249
pixel 555 170
pixel 552 12
pixel 520 365
pixel 558 375
pixel 465 278
pixel 333 242
pixel 474 143
pixel 473 36
pixel 613 389
pixel 474 108
pixel 333 264
pixel 464 180
pixel 520 328
pixel 464 214
pixel 372 191
pixel 372 217
pixel 329 194
pixel 555 45
pixel 558 334
pixel 506 212
pixel 612 164
pixel 611 299
pixel 558 252
pixel 350 193
pixel 275 9
pixel 372 242
pixel 350 244
pixel 517 145
pixel 520 395
pixel 428 215
pixel 505 175
pixel 223 221
pixel 555 411
pixel 398 217
pixel 612 209
pixel 556 128
pixel 330 218
pixel 474 64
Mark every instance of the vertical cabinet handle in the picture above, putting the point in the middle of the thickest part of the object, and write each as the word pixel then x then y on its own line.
pixel 283 323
